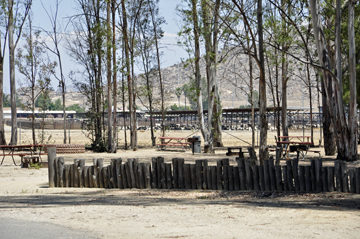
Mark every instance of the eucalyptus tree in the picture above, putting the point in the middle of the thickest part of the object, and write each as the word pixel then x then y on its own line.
pixel 146 45
pixel 86 47
pixel 56 37
pixel 32 64
pixel 14 16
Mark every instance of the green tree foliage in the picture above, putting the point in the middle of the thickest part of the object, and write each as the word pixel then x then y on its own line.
pixel 76 107
pixel 7 102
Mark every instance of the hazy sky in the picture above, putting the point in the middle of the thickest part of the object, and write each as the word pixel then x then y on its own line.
pixel 172 53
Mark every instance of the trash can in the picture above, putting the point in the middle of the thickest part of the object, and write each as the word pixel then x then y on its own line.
pixel 197 144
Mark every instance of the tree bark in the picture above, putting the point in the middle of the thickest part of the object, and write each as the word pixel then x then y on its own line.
pixel 262 88
pixel 110 147
pixel 198 76
pixel 13 140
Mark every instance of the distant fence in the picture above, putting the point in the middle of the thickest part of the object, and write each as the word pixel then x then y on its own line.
pixel 67 148
pixel 178 175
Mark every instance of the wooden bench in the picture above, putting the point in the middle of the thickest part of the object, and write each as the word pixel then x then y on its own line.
pixel 173 142
pixel 239 152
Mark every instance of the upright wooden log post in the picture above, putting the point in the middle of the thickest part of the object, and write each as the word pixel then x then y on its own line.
pixel 338 179
pixel 213 177
pixel 219 175
pixel 325 179
pixel 313 175
pixel 147 175
pixel 60 163
pixel 318 170
pixel 255 170
pixel 187 176
pixel 100 163
pixel 242 174
pixel 344 177
pixel 193 176
pixel 154 175
pixel 279 181
pixel 295 172
pixel 124 175
pixel 330 180
pixel 267 175
pixel 236 179
pixel 57 172
pixel 163 175
pixel 352 185
pixel 168 176
pixel 95 176
pixel 132 173
pixel 285 175
pixel 226 177
pixel 181 162
pixel 199 177
pixel 302 178
pixel 51 166
pixel 86 176
pixel 272 174
pixel 67 175
pixel 204 173
pixel 80 172
pixel 357 179
pixel 175 173
pixel 262 178
pixel 140 173
pixel 308 183
pixel 76 173
pixel 118 175
pixel 159 161
pixel 249 176
pixel 290 176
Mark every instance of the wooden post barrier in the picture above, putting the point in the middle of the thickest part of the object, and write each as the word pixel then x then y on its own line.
pixel 242 175
pixel 193 175
pixel 187 176
pixel 198 164
pixel 295 173
pixel 158 174
pixel 267 176
pixel 289 176
pixel 279 181
pixel 325 179
pixel 318 171
pixel 255 170
pixel 272 174
pixel 302 178
pixel 181 162
pixel 249 176
pixel 236 179
pixel 219 176
pixel 51 166
pixel 308 187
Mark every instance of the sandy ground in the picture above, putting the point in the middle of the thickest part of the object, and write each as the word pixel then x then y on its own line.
pixel 24 194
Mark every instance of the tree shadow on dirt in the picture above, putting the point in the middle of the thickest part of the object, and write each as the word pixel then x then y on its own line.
pixel 158 198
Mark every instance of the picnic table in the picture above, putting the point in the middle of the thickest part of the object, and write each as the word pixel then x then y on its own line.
pixel 173 142
pixel 298 144
pixel 32 150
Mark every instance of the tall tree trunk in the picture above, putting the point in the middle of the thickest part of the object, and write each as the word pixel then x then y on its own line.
pixel 343 130
pixel 2 129
pixel 128 75
pixel 13 140
pixel 110 147
pixel 159 69
pixel 198 76
pixel 262 88
pixel 115 128
pixel 352 80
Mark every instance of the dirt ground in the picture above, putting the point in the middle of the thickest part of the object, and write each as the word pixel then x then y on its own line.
pixel 24 194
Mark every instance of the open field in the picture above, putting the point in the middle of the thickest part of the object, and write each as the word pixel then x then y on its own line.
pixel 112 213
pixel 230 138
